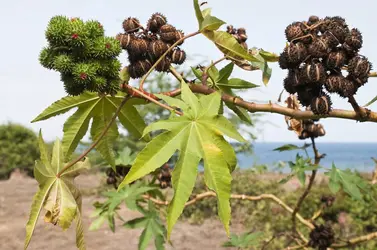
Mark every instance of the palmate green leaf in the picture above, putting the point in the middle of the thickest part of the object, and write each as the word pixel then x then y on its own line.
pixel 57 195
pixel 152 225
pixel 96 109
pixel 242 113
pixel 351 183
pixel 245 240
pixel 206 12
pixel 198 134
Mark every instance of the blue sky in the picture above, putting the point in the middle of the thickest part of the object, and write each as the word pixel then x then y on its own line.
pixel 27 88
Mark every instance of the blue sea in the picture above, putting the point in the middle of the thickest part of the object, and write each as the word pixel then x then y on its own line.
pixel 344 155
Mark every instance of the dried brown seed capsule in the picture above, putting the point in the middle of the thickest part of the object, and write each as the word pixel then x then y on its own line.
pixel 178 56
pixel 320 131
pixel 163 65
pixel 359 81
pixel 125 40
pixel 139 68
pixel 131 25
pixel 354 39
pixel 359 66
pixel 134 58
pixel 314 73
pixel 157 47
pixel 288 86
pixel 318 48
pixel 305 94
pixel 312 20
pixel 336 59
pixel 321 237
pixel 167 33
pixel 110 180
pixel 348 88
pixel 330 39
pixel 339 31
pixel 294 30
pixel 241 32
pixel 230 29
pixel 138 46
pixel 321 105
pixel 178 35
pixel 296 52
pixel 283 61
pixel 156 21
pixel 334 83
pixel 304 135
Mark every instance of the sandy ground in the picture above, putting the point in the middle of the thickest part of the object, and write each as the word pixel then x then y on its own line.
pixel 15 200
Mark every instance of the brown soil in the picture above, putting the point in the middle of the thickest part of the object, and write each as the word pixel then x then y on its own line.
pixel 15 200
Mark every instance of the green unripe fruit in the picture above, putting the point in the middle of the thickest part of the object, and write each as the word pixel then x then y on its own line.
pixel 78 33
pixel 109 68
pixel 94 28
pixel 71 86
pixel 58 30
pixel 63 63
pixel 97 84
pixel 113 86
pixel 83 73
pixel 46 58
pixel 105 48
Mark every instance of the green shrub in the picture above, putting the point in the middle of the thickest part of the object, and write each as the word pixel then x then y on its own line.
pixel 18 149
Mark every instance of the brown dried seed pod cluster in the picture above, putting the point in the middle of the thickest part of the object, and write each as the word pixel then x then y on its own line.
pixel 164 176
pixel 311 130
pixel 146 45
pixel 321 237
pixel 317 52
pixel 114 177
pixel 239 34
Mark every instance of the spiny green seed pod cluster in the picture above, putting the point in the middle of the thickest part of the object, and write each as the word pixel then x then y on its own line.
pixel 146 45
pixel 317 52
pixel 85 57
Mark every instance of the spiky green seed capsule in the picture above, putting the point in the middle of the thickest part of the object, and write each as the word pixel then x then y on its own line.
pixel 84 72
pixel 63 64
pixel 46 58
pixel 58 30
pixel 71 86
pixel 106 48
pixel 95 29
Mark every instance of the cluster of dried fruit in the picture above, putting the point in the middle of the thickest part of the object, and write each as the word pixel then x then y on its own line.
pixel 146 45
pixel 322 237
pixel 164 176
pixel 303 128
pixel 318 51
pixel 239 34
pixel 113 177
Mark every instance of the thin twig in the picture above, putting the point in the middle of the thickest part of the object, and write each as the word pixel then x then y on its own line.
pixel 70 164
pixel 317 158
pixel 142 81
pixel 272 197
pixel 355 241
